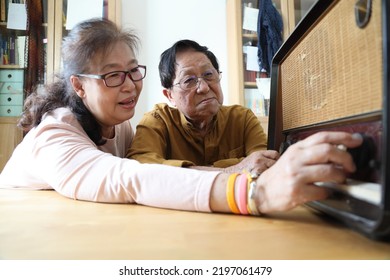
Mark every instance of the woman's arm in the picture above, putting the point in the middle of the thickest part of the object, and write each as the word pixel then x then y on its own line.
pixel 66 159
pixel 69 162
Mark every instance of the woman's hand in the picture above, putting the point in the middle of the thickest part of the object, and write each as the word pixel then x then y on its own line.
pixel 290 181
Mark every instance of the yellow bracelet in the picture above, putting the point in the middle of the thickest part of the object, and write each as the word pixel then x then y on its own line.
pixel 252 208
pixel 230 195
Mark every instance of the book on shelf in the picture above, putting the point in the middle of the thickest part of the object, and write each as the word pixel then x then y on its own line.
pixel 12 50
pixel 250 76
pixel 3 10
pixel 21 48
pixel 44 10
pixel 12 53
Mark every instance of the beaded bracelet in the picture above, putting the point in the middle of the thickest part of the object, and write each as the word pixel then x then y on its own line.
pixel 252 208
pixel 230 194
pixel 242 194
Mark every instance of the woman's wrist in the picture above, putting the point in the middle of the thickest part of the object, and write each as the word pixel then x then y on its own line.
pixel 218 202
pixel 259 194
pixel 221 193
pixel 236 193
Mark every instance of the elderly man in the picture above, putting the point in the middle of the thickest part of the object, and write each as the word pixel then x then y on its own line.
pixel 199 132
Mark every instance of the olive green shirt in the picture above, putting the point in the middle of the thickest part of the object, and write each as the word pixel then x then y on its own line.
pixel 165 136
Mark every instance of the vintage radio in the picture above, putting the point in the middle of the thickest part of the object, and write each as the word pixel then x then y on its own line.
pixel 332 74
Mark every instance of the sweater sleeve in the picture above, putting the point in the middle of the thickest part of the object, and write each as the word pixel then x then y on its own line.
pixel 69 162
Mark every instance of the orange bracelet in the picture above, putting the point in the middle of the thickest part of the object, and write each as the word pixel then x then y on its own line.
pixel 230 195
pixel 242 194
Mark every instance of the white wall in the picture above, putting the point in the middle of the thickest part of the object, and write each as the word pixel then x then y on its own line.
pixel 160 23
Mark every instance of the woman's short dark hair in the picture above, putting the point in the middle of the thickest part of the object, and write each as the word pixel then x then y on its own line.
pixel 79 48
pixel 167 63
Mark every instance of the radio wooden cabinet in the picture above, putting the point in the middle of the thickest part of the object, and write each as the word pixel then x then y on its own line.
pixel 242 83
pixel 333 75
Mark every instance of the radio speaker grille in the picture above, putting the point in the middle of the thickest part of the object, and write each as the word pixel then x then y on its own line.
pixel 336 70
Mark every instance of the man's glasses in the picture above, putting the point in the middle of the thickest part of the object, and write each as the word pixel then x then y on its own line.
pixel 117 78
pixel 191 82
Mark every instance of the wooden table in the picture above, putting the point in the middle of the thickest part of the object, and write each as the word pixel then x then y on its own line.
pixel 45 225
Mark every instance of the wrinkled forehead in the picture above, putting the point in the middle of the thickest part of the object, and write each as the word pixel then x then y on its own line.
pixel 191 60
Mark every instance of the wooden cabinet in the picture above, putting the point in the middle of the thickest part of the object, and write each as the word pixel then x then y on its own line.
pixel 12 54
pixel 12 72
pixel 242 86
pixel 11 91
pixel 11 105
pixel 10 136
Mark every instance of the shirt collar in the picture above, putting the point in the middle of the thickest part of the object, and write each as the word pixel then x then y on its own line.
pixel 187 125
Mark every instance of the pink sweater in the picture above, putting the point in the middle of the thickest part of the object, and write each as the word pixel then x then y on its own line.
pixel 59 155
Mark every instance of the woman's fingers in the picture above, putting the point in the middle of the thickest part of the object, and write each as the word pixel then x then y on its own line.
pixel 318 158
pixel 321 173
pixel 335 138
pixel 324 147
pixel 325 154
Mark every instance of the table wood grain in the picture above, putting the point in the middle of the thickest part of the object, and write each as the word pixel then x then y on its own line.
pixel 45 225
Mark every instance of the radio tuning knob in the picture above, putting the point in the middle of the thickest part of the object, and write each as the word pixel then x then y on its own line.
pixel 364 155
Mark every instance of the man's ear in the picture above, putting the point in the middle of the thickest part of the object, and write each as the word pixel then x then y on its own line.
pixel 168 94
pixel 77 86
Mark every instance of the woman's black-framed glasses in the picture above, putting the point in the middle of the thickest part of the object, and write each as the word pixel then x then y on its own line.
pixel 117 78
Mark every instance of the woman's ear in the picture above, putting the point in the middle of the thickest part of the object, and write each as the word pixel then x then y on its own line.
pixel 168 94
pixel 77 86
